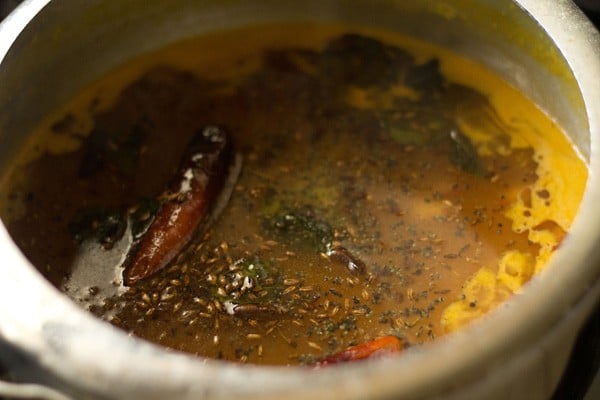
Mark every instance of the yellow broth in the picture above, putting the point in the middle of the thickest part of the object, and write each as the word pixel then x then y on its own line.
pixel 449 185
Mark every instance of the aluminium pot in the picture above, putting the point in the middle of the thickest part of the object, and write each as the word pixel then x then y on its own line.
pixel 51 49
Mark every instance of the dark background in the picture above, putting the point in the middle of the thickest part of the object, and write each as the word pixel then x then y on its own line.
pixel 585 360
pixel 6 6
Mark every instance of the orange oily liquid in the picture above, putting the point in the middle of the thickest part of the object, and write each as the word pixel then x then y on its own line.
pixel 448 246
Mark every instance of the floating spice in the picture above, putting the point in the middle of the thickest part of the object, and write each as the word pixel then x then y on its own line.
pixel 375 348
pixel 343 256
pixel 200 179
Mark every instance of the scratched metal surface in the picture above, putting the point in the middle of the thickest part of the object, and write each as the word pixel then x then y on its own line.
pixel 581 379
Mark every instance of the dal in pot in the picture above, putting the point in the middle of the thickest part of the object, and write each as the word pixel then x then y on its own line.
pixel 387 188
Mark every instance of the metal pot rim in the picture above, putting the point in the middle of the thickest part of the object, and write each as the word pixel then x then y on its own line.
pixel 70 341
